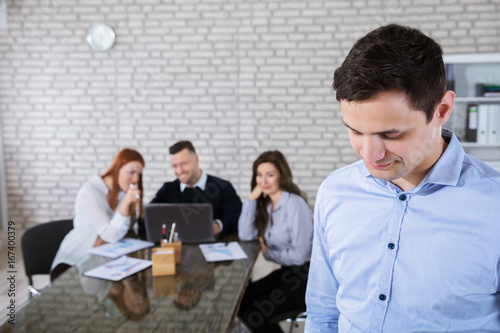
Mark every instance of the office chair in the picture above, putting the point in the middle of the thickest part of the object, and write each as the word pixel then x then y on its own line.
pixel 293 320
pixel 40 244
pixel 292 317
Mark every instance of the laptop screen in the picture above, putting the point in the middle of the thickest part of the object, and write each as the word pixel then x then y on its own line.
pixel 193 222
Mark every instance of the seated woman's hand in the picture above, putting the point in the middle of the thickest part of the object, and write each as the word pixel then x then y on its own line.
pixel 132 195
pixel 263 245
pixel 256 193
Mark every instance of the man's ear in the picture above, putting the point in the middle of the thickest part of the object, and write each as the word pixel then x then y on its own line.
pixel 444 108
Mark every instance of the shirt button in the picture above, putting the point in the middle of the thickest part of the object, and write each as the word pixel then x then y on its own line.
pixel 382 297
pixel 402 197
pixel 391 246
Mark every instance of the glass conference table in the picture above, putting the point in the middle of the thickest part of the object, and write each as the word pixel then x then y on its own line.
pixel 201 297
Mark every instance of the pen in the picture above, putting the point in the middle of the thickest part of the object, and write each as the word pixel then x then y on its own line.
pixel 171 233
pixel 164 232
pixel 138 197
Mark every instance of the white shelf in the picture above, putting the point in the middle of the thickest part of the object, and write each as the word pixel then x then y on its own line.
pixel 472 99
pixel 486 152
pixel 480 145
pixel 468 70
pixel 471 58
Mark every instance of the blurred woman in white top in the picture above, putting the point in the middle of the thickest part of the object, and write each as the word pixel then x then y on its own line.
pixel 277 214
pixel 105 209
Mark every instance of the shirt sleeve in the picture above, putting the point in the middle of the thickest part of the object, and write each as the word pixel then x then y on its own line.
pixel 246 226
pixel 298 250
pixel 322 286
pixel 92 209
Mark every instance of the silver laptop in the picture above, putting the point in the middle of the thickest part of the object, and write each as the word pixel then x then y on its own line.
pixel 193 222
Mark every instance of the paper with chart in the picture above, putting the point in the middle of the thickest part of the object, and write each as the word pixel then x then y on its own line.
pixel 118 269
pixel 222 251
pixel 118 249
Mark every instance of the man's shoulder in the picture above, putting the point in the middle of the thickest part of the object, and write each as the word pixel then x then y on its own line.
pixel 354 171
pixel 217 180
pixel 171 184
pixel 344 178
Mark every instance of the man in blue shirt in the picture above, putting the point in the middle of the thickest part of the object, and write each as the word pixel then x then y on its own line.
pixel 408 238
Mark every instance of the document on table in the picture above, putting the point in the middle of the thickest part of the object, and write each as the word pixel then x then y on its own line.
pixel 125 246
pixel 118 269
pixel 222 251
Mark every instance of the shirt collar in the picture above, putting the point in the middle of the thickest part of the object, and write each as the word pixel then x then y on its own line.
pixel 101 186
pixel 201 183
pixel 448 168
pixel 282 202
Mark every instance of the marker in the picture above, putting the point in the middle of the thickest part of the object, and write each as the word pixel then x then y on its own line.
pixel 164 227
pixel 172 232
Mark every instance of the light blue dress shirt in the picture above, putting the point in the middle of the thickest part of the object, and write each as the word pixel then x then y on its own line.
pixel 289 237
pixel 424 260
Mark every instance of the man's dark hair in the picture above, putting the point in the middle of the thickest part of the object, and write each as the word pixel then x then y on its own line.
pixel 181 145
pixel 394 57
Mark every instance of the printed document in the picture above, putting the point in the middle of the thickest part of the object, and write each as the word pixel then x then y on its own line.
pixel 222 251
pixel 118 249
pixel 118 269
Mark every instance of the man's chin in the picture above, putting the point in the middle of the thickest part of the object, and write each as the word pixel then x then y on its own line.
pixel 182 179
pixel 384 174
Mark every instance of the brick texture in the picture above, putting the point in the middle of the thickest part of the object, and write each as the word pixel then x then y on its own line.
pixel 235 77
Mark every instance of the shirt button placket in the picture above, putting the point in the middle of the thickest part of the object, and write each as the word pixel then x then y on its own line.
pixel 389 257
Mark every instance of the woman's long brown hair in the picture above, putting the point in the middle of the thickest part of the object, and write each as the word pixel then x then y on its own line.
pixel 125 156
pixel 286 184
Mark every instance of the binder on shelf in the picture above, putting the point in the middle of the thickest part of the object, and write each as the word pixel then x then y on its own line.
pixel 493 110
pixel 450 76
pixel 498 122
pixel 471 129
pixel 482 123
pixel 488 89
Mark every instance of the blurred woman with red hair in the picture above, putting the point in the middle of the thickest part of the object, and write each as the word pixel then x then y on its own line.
pixel 105 209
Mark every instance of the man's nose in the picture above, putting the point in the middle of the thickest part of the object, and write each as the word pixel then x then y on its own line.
pixel 373 149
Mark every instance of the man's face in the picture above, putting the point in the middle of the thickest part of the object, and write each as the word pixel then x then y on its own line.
pixel 395 141
pixel 185 165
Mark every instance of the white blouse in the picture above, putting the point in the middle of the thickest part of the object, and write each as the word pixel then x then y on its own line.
pixel 289 237
pixel 93 217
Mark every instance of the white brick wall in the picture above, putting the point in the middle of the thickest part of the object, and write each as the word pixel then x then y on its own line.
pixel 235 77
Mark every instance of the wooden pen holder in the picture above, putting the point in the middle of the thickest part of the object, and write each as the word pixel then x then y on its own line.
pixel 176 246
pixel 163 261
